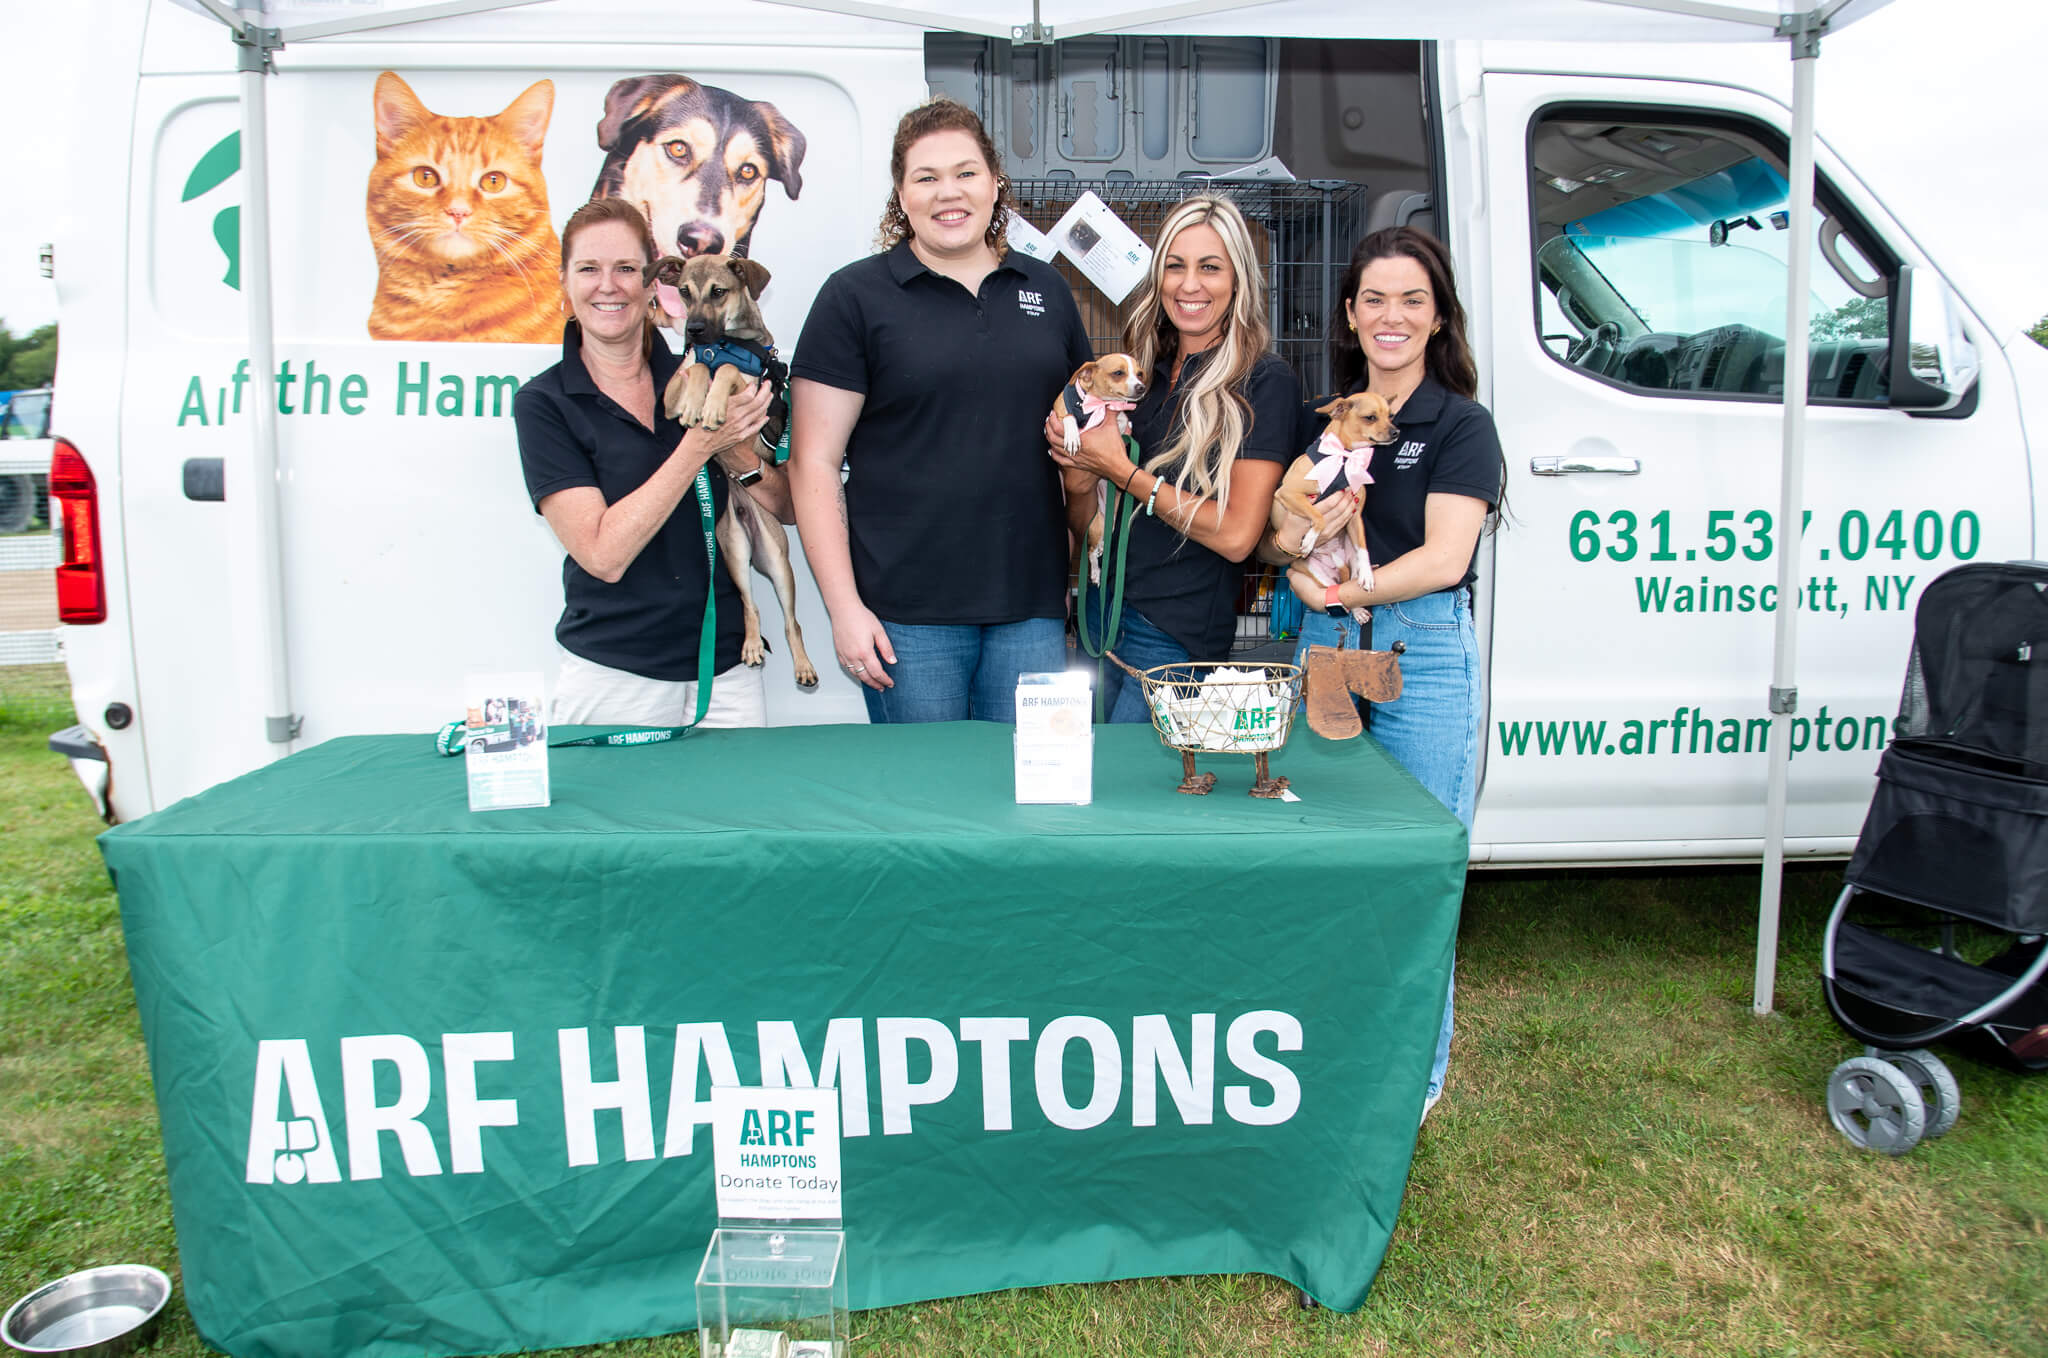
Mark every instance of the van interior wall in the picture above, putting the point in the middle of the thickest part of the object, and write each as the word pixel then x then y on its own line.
pixel 1353 110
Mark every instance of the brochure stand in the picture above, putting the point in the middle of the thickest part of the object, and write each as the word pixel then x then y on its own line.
pixel 773 1281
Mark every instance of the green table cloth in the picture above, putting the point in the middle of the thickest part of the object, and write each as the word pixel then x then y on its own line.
pixel 430 1081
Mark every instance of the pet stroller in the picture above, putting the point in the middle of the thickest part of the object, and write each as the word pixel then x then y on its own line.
pixel 1938 932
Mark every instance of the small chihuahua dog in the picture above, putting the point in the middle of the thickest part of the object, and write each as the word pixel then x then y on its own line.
pixel 1358 424
pixel 1109 385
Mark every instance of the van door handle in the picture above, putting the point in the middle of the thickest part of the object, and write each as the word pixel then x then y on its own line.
pixel 1571 466
pixel 204 479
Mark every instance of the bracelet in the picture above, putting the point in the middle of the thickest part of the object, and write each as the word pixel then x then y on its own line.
pixel 1153 498
pixel 1135 469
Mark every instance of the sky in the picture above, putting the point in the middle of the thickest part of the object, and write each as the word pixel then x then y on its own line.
pixel 1937 103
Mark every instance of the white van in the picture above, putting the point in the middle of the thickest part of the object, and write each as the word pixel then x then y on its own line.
pixel 1621 247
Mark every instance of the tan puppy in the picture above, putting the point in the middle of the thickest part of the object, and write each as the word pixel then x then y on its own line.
pixel 1108 385
pixel 711 299
pixel 1358 424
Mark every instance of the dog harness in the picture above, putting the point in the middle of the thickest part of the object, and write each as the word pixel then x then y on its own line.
pixel 756 360
pixel 1089 409
pixel 1339 468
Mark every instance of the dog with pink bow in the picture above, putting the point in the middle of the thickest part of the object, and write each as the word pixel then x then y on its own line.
pixel 1337 464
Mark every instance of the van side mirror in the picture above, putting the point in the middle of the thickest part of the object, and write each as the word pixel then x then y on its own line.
pixel 1933 363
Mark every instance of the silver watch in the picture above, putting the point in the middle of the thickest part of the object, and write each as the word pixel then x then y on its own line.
pixel 749 476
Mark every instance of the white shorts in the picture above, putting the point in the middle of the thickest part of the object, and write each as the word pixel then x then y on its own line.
pixel 589 694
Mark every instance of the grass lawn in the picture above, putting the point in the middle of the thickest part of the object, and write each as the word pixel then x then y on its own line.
pixel 1626 1161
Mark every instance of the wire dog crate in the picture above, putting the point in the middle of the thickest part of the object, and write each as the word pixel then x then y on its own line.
pixel 1304 231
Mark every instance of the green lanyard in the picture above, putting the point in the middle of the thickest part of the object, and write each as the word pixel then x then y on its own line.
pixel 1116 536
pixel 449 739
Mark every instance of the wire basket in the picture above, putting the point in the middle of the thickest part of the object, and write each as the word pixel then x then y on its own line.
pixel 1197 712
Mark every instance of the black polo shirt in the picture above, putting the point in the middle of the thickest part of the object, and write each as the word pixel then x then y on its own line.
pixel 649 623
pixel 1447 445
pixel 954 510
pixel 1183 588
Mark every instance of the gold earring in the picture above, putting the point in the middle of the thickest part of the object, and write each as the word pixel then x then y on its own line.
pixel 1434 328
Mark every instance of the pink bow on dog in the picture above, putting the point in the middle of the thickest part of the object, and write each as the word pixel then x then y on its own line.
pixel 1335 462
pixel 1094 407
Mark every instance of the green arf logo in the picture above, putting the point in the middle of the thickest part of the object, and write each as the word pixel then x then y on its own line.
pixel 222 161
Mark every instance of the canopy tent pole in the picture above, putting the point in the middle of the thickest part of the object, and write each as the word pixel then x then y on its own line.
pixel 1804 32
pixel 254 44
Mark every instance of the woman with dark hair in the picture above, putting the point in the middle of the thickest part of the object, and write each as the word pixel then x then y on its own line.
pixel 1215 430
pixel 1401 335
pixel 925 372
pixel 631 496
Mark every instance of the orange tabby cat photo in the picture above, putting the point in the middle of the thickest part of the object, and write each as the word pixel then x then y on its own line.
pixel 458 216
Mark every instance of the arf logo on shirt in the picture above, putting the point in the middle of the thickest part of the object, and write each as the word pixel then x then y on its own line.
pixel 1031 302
pixel 1409 454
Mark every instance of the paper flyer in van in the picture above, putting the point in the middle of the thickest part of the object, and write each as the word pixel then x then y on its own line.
pixel 1102 247
pixel 1028 239
pixel 505 741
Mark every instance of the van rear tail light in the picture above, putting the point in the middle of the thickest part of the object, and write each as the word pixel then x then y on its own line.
pixel 81 577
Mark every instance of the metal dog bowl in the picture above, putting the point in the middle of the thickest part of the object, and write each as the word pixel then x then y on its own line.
pixel 96 1313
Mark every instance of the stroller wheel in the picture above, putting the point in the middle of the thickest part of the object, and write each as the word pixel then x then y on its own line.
pixel 1876 1106
pixel 1937 1086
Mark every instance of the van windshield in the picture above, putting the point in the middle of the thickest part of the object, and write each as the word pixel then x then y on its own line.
pixel 1713 252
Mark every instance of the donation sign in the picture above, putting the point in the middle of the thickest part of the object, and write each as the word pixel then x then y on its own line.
pixel 776 1153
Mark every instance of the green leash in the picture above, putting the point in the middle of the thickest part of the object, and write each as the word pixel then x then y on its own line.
pixel 1116 534
pixel 449 740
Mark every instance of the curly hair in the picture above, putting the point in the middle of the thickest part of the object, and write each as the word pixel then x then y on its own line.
pixel 941 114
pixel 1214 418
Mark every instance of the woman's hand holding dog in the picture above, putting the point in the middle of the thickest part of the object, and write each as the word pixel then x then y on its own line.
pixel 1282 545
pixel 1101 453
pixel 732 443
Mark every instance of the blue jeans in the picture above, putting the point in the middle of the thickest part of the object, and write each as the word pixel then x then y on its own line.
pixel 1141 646
pixel 1432 729
pixel 965 671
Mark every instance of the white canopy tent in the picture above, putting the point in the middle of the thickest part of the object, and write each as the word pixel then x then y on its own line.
pixel 1800 24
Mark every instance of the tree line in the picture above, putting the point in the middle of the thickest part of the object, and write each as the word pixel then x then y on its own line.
pixel 27 360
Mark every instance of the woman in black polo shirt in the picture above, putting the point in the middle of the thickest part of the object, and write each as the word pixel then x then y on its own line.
pixel 926 371
pixel 1402 335
pixel 620 484
pixel 1215 431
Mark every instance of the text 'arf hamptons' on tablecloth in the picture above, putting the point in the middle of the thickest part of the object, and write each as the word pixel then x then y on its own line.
pixel 388 1085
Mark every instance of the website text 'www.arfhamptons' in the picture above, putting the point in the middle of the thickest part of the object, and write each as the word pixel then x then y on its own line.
pixel 1691 731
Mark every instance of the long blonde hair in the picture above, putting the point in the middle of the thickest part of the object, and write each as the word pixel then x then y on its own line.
pixel 1215 418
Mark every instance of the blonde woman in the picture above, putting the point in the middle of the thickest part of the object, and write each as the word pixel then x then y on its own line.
pixel 1215 431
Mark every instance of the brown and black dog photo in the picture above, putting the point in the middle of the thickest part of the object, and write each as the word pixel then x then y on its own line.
pixel 696 159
